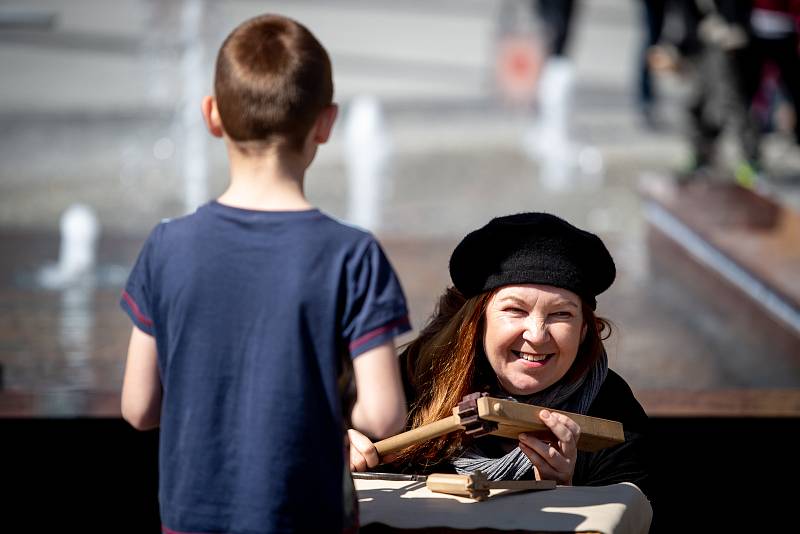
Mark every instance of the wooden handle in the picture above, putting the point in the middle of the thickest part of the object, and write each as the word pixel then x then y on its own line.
pixel 462 485
pixel 513 418
pixel 476 485
pixel 416 435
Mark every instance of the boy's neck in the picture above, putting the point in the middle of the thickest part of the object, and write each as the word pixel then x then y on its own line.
pixel 268 180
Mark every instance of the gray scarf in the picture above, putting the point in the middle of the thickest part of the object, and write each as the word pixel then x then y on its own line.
pixel 575 397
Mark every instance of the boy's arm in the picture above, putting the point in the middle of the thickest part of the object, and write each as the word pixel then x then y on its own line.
pixel 141 387
pixel 380 408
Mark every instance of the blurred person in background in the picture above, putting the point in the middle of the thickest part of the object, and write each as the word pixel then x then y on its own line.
pixel 719 89
pixel 653 14
pixel 774 28
pixel 728 48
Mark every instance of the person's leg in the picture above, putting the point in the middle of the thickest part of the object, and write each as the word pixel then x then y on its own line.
pixel 702 130
pixel 557 17
pixel 787 58
pixel 746 65
pixel 653 17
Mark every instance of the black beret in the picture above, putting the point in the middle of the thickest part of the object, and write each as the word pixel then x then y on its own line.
pixel 532 248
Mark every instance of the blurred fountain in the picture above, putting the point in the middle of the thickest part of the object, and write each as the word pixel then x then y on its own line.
pixel 75 332
pixel 592 165
pixel 74 275
pixel 562 160
pixel 76 256
pixel 75 280
pixel 174 55
pixel 548 142
pixel 367 155
pixel 194 79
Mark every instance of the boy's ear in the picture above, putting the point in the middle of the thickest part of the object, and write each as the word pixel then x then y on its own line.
pixel 211 116
pixel 324 124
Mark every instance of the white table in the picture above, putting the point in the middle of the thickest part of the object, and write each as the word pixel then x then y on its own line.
pixel 401 505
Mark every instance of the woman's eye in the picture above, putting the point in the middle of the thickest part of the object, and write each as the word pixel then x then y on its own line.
pixel 562 315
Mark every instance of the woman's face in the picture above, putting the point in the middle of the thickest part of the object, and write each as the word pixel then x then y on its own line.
pixel 532 335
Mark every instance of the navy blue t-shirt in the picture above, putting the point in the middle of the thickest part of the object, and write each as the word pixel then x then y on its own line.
pixel 252 312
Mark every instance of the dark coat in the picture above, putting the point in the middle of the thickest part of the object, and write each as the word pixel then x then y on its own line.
pixel 626 462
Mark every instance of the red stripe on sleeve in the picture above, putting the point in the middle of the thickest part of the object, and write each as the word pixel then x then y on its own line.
pixel 136 312
pixel 378 331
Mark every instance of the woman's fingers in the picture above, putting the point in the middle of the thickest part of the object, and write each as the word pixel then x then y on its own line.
pixel 363 453
pixel 553 461
pixel 537 446
pixel 357 462
pixel 547 453
pixel 548 464
pixel 565 429
pixel 544 470
pixel 532 449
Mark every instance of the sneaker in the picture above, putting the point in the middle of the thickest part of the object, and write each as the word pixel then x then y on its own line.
pixel 694 171
pixel 747 174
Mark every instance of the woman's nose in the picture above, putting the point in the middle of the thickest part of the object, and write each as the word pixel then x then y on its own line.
pixel 535 330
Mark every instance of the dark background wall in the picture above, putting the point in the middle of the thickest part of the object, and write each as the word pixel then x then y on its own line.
pixel 100 475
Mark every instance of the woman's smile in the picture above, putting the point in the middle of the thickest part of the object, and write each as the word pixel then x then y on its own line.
pixel 534 360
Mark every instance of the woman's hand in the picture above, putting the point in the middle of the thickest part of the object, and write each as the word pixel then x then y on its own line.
pixel 363 453
pixel 553 461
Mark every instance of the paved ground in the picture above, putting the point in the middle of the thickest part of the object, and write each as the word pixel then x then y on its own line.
pixel 93 113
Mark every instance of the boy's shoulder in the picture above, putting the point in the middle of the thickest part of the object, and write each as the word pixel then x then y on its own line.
pixel 345 229
pixel 340 237
pixel 313 223
pixel 171 228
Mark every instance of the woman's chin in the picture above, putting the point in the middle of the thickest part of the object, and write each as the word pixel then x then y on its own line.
pixel 524 387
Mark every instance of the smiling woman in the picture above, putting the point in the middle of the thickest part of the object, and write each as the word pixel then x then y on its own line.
pixel 519 323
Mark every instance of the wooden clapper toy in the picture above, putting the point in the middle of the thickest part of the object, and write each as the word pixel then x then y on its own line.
pixel 479 415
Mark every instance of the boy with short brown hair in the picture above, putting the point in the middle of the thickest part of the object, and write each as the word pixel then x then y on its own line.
pixel 243 310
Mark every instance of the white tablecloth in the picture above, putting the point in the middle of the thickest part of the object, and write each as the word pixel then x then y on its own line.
pixel 619 508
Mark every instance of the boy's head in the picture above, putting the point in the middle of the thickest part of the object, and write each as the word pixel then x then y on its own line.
pixel 272 81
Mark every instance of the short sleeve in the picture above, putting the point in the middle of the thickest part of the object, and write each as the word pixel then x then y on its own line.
pixel 136 297
pixel 375 308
